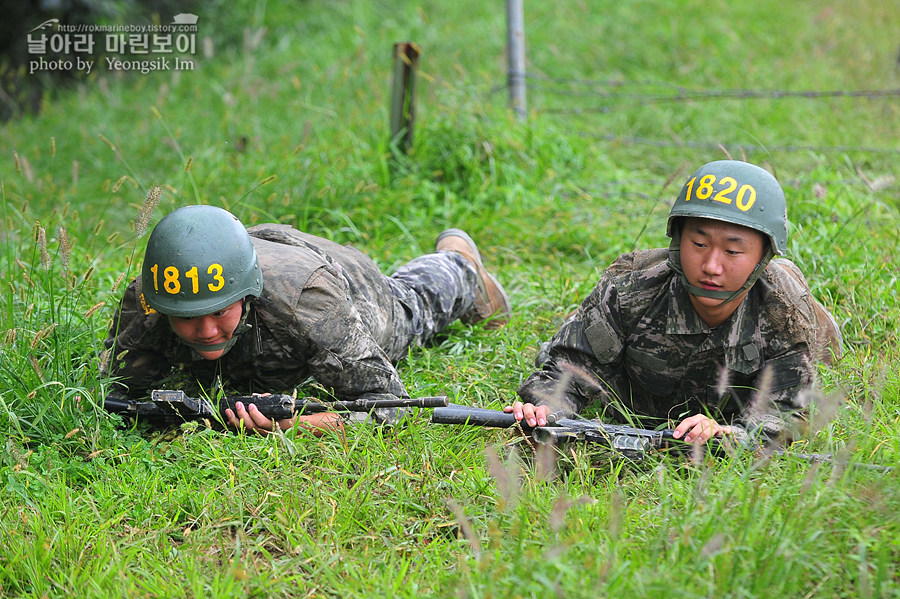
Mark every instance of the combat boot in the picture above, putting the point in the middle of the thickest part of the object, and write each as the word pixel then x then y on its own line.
pixel 490 299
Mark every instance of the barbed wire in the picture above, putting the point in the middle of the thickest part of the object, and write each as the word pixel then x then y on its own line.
pixel 646 100
pixel 700 96
pixel 683 94
pixel 598 82
pixel 638 187
pixel 622 188
pixel 735 148
pixel 680 94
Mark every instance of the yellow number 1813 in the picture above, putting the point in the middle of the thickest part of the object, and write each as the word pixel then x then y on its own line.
pixel 172 278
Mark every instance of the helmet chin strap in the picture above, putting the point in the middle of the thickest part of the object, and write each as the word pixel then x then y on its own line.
pixel 726 296
pixel 242 327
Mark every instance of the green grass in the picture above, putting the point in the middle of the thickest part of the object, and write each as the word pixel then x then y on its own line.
pixel 287 121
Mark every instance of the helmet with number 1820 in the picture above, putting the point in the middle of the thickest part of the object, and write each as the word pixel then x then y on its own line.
pixel 199 260
pixel 734 192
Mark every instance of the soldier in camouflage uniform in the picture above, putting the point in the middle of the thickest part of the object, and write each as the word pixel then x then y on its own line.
pixel 266 308
pixel 711 333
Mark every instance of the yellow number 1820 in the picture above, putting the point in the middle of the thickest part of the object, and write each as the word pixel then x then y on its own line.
pixel 724 190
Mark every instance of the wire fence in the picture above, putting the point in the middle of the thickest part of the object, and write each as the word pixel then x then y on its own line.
pixel 558 96
pixel 577 100
pixel 610 96
pixel 681 94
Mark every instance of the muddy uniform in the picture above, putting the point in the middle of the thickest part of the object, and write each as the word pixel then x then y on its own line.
pixel 326 312
pixel 638 345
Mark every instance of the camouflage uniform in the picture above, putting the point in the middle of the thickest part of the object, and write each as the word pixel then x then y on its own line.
pixel 326 312
pixel 638 346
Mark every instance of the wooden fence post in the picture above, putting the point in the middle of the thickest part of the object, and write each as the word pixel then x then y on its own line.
pixel 403 96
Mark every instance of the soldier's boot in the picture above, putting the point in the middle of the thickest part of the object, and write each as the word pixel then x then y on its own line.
pixel 829 340
pixel 491 300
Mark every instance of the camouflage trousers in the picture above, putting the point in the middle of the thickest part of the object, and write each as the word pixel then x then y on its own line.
pixel 429 293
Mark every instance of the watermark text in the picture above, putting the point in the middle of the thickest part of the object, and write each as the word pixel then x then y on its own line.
pixel 56 46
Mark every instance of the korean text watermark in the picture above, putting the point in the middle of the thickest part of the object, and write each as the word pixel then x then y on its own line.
pixel 82 48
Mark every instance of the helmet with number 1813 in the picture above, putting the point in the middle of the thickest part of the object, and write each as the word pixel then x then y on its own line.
pixel 199 260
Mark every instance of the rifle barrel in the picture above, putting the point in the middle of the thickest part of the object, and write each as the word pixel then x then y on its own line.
pixel 457 414
pixel 366 405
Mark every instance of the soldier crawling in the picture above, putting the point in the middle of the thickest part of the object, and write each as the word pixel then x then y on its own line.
pixel 711 332
pixel 264 309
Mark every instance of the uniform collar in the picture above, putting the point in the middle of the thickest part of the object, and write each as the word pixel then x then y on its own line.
pixel 682 318
pixel 739 336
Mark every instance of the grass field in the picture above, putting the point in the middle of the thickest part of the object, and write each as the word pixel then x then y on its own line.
pixel 285 119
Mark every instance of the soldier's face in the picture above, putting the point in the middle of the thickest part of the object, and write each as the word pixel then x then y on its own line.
pixel 718 256
pixel 210 329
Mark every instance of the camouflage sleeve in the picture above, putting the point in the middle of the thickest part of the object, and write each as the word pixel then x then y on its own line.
pixel 344 356
pixel 133 356
pixel 582 362
pixel 779 409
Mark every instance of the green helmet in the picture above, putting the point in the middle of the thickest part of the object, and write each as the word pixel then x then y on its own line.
pixel 199 260
pixel 735 192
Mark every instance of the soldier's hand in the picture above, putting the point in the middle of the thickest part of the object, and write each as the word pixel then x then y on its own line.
pixel 699 429
pixel 532 415
pixel 250 419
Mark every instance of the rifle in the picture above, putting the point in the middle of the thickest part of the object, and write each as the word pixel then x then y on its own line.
pixel 168 407
pixel 633 443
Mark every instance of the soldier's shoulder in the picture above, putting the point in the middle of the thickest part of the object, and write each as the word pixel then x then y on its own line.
pixel 286 235
pixel 341 257
pixel 640 269
pixel 632 282
pixel 137 325
pixel 786 303
pixel 135 306
pixel 783 284
pixel 286 253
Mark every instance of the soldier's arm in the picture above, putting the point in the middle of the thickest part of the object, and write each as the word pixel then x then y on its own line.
pixel 779 410
pixel 343 355
pixel 133 353
pixel 248 418
pixel 582 362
